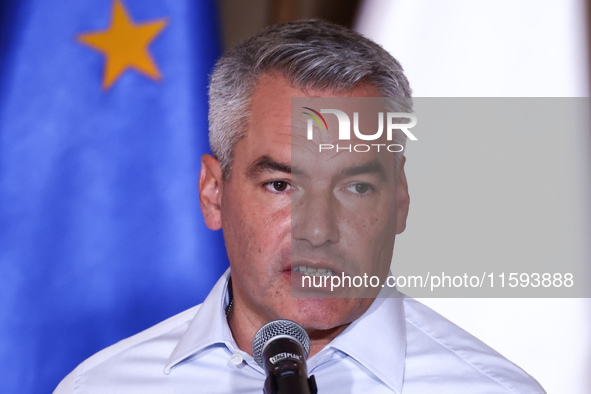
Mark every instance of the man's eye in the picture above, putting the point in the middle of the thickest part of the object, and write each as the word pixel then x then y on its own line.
pixel 277 186
pixel 360 188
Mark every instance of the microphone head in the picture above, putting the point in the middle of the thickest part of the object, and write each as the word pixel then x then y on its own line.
pixel 281 327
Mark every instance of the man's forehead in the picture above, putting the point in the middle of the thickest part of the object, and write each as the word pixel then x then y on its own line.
pixel 345 168
pixel 279 141
pixel 274 92
pixel 272 102
pixel 324 165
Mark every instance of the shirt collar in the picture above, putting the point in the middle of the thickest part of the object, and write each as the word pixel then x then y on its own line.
pixel 377 340
pixel 209 326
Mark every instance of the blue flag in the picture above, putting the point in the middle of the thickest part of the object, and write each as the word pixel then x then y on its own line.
pixel 103 120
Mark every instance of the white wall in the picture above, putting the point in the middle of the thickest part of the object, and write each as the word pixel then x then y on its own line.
pixel 501 48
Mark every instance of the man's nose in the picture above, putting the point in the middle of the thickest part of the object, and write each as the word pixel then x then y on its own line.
pixel 315 218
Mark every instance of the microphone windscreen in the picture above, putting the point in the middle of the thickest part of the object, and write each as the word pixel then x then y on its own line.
pixel 279 328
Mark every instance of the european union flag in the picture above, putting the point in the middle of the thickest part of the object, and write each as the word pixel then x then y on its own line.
pixel 103 120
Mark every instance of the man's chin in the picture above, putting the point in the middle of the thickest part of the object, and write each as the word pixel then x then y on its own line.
pixel 321 307
pixel 325 313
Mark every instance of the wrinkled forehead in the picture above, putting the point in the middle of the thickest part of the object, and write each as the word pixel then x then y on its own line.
pixel 334 134
pixel 322 130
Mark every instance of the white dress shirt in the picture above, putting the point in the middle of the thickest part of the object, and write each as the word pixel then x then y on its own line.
pixel 398 346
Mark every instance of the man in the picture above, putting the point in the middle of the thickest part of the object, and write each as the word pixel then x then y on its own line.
pixel 286 210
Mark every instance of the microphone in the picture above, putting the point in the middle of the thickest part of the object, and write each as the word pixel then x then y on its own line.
pixel 281 347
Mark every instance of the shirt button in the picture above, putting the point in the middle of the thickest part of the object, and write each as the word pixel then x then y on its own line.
pixel 236 359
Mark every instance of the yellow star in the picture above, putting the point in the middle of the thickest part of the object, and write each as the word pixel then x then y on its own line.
pixel 125 45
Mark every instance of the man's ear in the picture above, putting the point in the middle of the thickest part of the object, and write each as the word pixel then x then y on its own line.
pixel 402 198
pixel 210 191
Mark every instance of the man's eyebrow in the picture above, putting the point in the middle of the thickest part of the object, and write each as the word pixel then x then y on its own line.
pixel 372 167
pixel 267 164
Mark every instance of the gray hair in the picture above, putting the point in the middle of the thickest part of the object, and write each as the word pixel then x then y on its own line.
pixel 311 54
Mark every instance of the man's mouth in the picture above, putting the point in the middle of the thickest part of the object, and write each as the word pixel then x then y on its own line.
pixel 312 271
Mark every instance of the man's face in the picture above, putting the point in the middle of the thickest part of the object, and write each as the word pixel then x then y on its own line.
pixel 334 211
